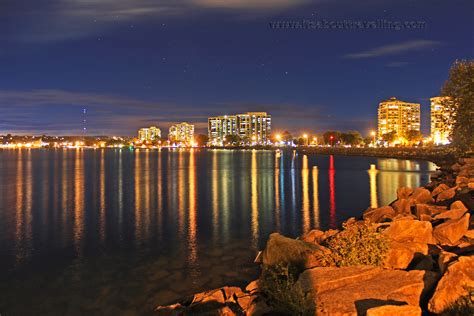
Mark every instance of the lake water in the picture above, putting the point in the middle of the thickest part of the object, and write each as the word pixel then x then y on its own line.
pixel 102 232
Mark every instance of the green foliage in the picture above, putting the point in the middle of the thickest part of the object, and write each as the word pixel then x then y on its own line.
pixel 390 137
pixel 282 293
pixel 413 136
pixel 463 306
pixel 351 138
pixel 357 244
pixel 460 86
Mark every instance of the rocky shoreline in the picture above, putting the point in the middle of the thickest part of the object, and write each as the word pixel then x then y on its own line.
pixel 412 257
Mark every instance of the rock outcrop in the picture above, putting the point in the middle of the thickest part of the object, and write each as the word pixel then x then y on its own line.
pixel 456 281
pixel 354 290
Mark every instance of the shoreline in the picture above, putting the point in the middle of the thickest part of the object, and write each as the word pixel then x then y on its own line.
pixel 428 235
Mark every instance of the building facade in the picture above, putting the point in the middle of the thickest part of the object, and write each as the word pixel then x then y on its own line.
pixel 151 133
pixel 250 127
pixel 398 116
pixel 182 133
pixel 442 119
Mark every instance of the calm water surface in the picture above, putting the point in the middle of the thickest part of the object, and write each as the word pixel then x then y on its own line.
pixel 119 231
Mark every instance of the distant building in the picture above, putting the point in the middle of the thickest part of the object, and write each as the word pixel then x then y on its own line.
pixel 442 119
pixel 398 116
pixel 149 134
pixel 182 133
pixel 221 126
pixel 250 127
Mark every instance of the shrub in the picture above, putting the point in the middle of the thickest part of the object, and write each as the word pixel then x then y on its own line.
pixel 357 244
pixel 463 306
pixel 282 293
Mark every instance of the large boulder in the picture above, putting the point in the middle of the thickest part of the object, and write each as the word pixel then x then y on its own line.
pixel 221 301
pixel 451 231
pixel 410 231
pixel 403 206
pixel 301 254
pixel 428 209
pixel 452 214
pixel 404 192
pixel 378 215
pixel 401 254
pixel 446 194
pixel 354 290
pixel 440 188
pixel 391 310
pixel 458 277
pixel 421 195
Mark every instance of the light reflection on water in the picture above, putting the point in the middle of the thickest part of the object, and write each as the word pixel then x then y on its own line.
pixel 185 220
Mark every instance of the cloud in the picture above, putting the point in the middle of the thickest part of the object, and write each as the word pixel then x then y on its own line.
pixel 58 20
pixel 393 49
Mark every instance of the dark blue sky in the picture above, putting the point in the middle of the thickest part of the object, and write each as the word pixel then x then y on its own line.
pixel 135 63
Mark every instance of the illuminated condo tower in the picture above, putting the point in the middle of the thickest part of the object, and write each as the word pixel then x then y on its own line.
pixel 149 134
pixel 252 127
pixel 442 119
pixel 182 133
pixel 398 116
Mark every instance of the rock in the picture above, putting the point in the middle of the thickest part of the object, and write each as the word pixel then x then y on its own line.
pixel 440 188
pixel 391 310
pixel 400 255
pixel 428 209
pixel 452 285
pixel 452 214
pixel 252 287
pixel 470 234
pixel 410 231
pixel 402 206
pixel 421 195
pixel 424 217
pixel 462 181
pixel 444 259
pixel 451 231
pixel 313 236
pixel 458 205
pixel 380 214
pixel 446 195
pixel 354 290
pixel 401 217
pixel 281 249
pixel 404 192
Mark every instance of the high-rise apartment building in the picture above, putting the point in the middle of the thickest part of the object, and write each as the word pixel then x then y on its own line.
pixel 149 133
pixel 250 127
pixel 182 133
pixel 442 119
pixel 398 116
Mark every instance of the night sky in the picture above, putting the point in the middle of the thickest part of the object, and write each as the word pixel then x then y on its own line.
pixel 135 63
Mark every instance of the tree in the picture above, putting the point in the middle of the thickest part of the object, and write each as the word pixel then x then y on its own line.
pixel 413 137
pixel 352 138
pixel 331 137
pixel 232 139
pixel 201 139
pixel 389 137
pixel 460 86
pixel 286 136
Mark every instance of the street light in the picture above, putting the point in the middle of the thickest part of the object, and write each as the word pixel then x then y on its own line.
pixel 331 138
pixel 305 136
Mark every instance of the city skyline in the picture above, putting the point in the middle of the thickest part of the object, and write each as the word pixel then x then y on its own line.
pixel 137 63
